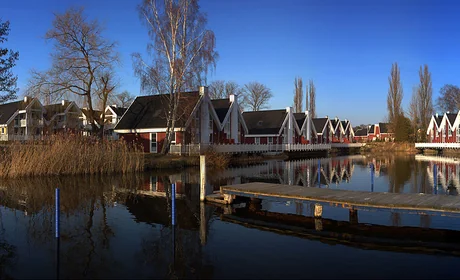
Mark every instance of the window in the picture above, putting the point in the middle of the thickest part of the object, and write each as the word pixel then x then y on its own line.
pixel 257 140
pixel 173 138
pixel 3 130
pixel 270 140
pixel 153 142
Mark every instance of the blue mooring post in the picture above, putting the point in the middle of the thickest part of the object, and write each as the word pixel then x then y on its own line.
pixel 57 212
pixel 173 204
pixel 372 177
pixel 319 173
pixel 57 233
pixel 435 179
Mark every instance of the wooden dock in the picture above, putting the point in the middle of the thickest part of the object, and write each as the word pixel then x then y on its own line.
pixel 344 198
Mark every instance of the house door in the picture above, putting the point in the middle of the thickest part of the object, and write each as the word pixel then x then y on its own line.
pixel 153 142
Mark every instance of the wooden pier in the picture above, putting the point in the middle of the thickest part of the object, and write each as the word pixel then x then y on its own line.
pixel 344 198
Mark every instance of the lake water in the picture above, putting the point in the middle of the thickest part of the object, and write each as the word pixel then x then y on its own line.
pixel 120 226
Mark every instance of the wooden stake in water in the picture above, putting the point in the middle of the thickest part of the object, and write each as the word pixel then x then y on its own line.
pixel 435 179
pixel 202 178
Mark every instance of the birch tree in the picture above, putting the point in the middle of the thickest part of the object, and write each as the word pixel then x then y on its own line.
pixel 395 96
pixel 298 95
pixel 8 60
pixel 181 50
pixel 82 61
pixel 257 96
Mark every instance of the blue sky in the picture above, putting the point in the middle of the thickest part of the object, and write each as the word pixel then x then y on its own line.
pixel 346 47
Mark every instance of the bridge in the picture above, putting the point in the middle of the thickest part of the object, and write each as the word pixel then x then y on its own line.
pixel 437 146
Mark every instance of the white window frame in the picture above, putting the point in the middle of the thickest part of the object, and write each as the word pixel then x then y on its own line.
pixel 3 130
pixel 151 142
pixel 257 140
pixel 270 140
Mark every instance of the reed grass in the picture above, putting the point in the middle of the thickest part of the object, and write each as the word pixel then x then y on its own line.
pixel 69 155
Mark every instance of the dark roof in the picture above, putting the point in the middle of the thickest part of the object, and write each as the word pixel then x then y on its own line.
pixel 371 129
pixel 264 122
pixel 334 123
pixel 384 127
pixel 150 111
pixel 118 110
pixel 344 124
pixel 361 132
pixel 451 117
pixel 8 109
pixel 438 119
pixel 319 124
pixel 221 107
pixel 299 118
pixel 54 109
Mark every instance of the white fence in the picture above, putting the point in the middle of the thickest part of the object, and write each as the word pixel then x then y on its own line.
pixel 347 145
pixel 437 145
pixel 245 148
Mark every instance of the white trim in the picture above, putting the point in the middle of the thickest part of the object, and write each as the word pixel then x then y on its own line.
pixel 284 123
pixel 146 130
pixel 261 135
pixel 156 143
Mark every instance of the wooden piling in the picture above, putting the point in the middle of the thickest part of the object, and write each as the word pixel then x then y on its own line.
pixel 202 178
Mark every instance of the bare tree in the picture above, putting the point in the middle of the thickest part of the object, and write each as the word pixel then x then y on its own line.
pixel 395 96
pixel 312 102
pixel 257 96
pixel 217 89
pixel 298 95
pixel 81 60
pixel 123 99
pixel 414 111
pixel 182 51
pixel 449 98
pixel 7 62
pixel 425 98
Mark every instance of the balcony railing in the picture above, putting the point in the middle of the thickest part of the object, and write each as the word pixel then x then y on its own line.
pixel 193 149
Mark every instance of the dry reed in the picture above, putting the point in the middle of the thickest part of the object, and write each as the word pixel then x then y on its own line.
pixel 69 155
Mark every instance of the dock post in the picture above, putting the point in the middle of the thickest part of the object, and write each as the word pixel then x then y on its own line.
pixel 353 216
pixel 57 233
pixel 202 178
pixel 435 179
pixel 318 210
pixel 57 212
pixel 372 177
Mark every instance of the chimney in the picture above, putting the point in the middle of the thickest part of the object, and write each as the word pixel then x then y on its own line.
pixel 114 105
pixel 63 102
pixel 203 90
pixel 437 115
pixel 327 117
pixel 26 98
pixel 346 120
pixel 336 119
pixel 288 109
pixel 232 98
pixel 448 112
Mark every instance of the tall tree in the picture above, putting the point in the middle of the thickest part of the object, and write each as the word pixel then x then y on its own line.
pixel 257 96
pixel 449 98
pixel 217 89
pixel 298 95
pixel 82 63
pixel 395 96
pixel 312 102
pixel 425 99
pixel 182 51
pixel 8 59
pixel 414 112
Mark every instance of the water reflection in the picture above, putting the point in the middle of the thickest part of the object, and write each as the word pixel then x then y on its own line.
pixel 120 226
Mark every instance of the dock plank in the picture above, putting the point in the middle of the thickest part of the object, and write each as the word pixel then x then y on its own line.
pixel 427 202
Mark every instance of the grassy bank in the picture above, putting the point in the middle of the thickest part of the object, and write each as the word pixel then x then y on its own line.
pixel 69 155
pixel 388 147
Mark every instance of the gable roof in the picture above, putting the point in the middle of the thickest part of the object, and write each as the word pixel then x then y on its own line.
pixel 118 110
pixel 371 129
pixel 335 123
pixel 7 110
pixel 384 127
pixel 264 122
pixel 344 124
pixel 438 120
pixel 97 113
pixel 300 119
pixel 150 111
pixel 319 124
pixel 451 117
pixel 54 109
pixel 361 132
pixel 221 106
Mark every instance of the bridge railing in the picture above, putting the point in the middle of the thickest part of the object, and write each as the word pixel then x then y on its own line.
pixel 437 145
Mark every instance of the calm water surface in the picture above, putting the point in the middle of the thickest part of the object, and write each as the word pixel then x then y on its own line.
pixel 120 226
